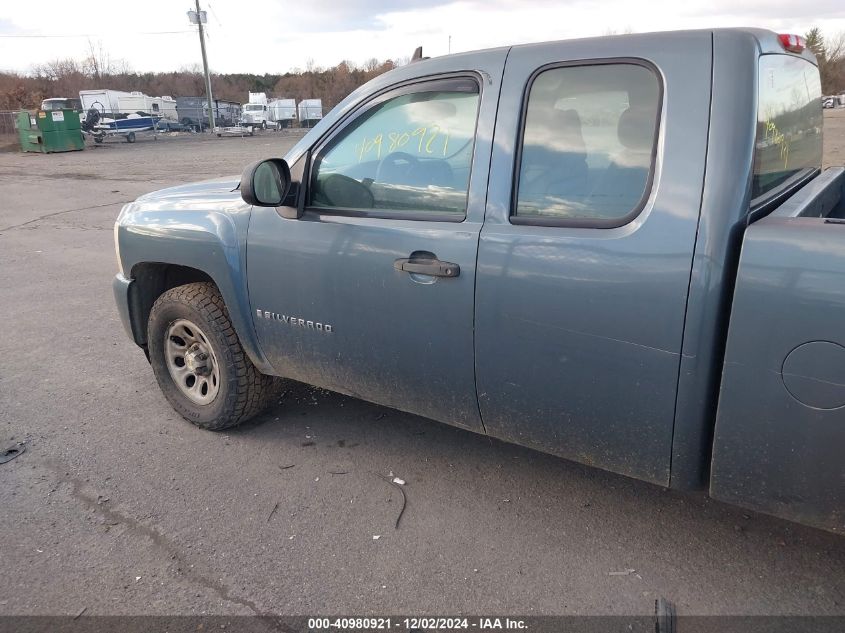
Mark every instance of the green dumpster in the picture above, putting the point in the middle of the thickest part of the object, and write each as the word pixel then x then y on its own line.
pixel 53 131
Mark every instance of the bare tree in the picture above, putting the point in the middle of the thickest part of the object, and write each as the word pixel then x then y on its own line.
pixel 66 77
pixel 96 61
pixel 830 54
pixel 833 73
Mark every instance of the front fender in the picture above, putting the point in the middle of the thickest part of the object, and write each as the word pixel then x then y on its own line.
pixel 208 235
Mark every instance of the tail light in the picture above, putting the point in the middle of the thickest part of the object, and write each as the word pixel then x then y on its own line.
pixel 792 43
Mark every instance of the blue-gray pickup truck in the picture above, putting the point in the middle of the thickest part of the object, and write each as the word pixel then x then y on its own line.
pixel 622 251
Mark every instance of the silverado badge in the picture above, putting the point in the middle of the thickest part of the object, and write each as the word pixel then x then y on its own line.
pixel 295 321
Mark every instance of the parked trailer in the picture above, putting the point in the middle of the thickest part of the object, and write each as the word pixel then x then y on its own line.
pixel 116 104
pixel 283 112
pixel 164 107
pixel 193 112
pixel 227 112
pixel 106 102
pixel 234 130
pixel 129 128
pixel 310 111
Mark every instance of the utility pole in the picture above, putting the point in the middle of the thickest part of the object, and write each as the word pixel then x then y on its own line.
pixel 199 20
pixel 450 45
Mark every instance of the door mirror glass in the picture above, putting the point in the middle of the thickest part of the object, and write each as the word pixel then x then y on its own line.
pixel 266 183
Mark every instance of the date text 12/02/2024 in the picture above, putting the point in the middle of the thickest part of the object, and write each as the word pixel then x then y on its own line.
pixel 415 624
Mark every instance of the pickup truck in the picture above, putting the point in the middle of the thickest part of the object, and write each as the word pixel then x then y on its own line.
pixel 622 251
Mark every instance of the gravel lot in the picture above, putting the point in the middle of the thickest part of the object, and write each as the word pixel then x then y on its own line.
pixel 120 507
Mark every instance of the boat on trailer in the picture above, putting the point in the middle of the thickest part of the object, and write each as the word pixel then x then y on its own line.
pixel 118 113
pixel 101 127
pixel 135 122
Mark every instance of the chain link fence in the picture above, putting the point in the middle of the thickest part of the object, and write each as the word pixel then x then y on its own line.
pixel 7 122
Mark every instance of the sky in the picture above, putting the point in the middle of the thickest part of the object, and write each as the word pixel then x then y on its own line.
pixel 275 36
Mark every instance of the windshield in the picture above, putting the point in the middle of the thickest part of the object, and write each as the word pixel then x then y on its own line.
pixel 254 108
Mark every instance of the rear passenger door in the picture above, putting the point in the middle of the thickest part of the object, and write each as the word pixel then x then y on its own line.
pixel 585 255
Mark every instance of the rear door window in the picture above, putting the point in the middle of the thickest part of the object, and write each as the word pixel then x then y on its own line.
pixel 588 145
pixel 789 122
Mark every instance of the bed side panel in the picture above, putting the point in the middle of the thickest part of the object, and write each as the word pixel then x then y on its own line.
pixel 780 427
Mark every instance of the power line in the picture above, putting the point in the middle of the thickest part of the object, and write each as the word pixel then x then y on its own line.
pixel 96 34
pixel 214 13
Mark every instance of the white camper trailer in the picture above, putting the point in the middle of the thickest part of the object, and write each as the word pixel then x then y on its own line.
pixel 106 102
pixel 117 102
pixel 116 113
pixel 164 107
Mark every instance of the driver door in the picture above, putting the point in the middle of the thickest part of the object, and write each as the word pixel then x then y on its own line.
pixel 370 292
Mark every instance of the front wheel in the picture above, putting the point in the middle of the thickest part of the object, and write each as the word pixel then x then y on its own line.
pixel 199 363
pixel 264 125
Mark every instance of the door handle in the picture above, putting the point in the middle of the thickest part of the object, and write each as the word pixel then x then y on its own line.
pixel 433 267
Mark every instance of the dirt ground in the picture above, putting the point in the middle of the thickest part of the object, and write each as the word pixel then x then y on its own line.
pixel 118 506
pixel 834 137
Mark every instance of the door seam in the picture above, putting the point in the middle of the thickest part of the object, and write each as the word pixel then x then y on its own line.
pixel 478 244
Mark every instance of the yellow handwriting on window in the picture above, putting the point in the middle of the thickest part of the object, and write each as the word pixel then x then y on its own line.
pixel 427 142
pixel 778 138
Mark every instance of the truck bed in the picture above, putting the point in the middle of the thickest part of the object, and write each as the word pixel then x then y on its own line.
pixel 780 427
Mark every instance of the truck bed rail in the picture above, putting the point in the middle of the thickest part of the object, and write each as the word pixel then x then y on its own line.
pixel 822 197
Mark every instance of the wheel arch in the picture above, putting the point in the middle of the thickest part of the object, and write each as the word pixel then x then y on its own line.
pixel 152 279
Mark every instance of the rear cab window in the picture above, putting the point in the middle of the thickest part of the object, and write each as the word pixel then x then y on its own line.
pixel 588 145
pixel 788 144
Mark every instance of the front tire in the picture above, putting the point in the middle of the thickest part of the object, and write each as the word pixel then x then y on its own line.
pixel 199 363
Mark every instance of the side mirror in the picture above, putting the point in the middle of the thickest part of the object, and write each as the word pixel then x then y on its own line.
pixel 266 183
